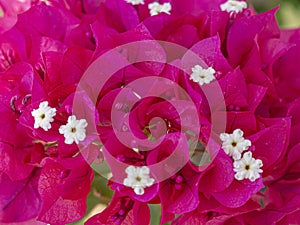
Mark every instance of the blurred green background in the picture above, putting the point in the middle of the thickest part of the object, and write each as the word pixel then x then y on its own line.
pixel 288 17
pixel 288 14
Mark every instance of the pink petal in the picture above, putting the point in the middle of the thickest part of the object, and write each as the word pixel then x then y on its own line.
pixel 271 143
pixel 220 176
pixel 238 193
pixel 53 185
pixel 19 200
pixel 242 33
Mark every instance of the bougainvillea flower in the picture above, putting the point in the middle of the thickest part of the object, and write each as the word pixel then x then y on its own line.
pixel 234 144
pixel 201 115
pixel 43 116
pixel 138 178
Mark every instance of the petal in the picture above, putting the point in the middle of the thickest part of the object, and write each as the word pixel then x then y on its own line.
pixel 145 170
pixel 271 142
pixel 247 156
pixel 238 193
pixel 139 190
pixel 220 176
pixel 13 195
pixel 130 170
pixel 238 133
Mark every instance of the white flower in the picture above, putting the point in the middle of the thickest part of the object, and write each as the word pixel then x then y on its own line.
pixel 201 75
pixel 135 2
pixel 234 144
pixel 247 167
pixel 138 178
pixel 43 116
pixel 156 8
pixel 74 130
pixel 233 6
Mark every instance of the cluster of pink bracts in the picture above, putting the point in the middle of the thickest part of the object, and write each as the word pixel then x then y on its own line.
pixel 251 174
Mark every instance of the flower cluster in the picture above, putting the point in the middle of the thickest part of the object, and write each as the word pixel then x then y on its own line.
pixel 74 130
pixel 200 114
pixel 233 145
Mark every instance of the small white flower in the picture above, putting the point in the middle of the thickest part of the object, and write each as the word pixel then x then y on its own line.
pixel 234 144
pixel 138 178
pixel 201 75
pixel 247 167
pixel 156 8
pixel 43 116
pixel 135 2
pixel 233 6
pixel 74 130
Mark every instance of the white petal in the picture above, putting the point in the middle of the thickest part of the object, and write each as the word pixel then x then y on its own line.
pixel 145 170
pixel 127 182
pixel 83 123
pixel 139 190
pixel 236 156
pixel 130 169
pixel 238 176
pixel 224 136
pixel 43 104
pixel 69 140
pixel 62 129
pixel 247 156
pixel 238 132
pixel 71 119
pixel 150 182
pixel 247 143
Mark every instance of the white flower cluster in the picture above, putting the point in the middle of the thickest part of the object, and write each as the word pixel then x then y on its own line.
pixel 245 167
pixel 43 116
pixel 233 6
pixel 135 2
pixel 73 131
pixel 201 75
pixel 154 8
pixel 138 178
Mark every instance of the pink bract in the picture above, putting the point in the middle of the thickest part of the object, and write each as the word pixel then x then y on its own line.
pixel 147 113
